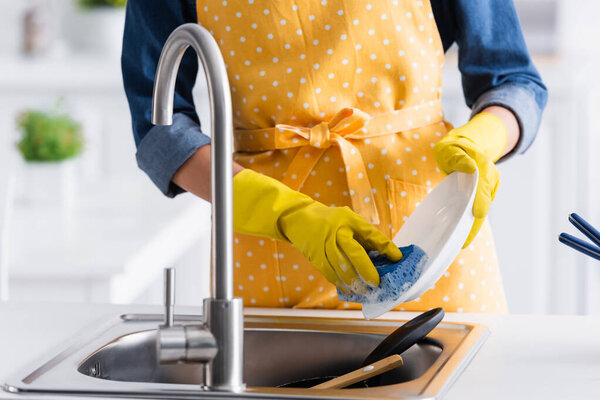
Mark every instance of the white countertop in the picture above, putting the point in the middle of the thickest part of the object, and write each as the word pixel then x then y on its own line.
pixel 526 356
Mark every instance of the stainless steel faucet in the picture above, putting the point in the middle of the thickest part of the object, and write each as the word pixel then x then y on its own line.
pixel 223 314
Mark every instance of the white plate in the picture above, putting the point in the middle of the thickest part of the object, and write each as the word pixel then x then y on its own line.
pixel 440 225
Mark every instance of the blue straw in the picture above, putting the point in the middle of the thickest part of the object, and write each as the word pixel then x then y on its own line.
pixel 580 245
pixel 585 228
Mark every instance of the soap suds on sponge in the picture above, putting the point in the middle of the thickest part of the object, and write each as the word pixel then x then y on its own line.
pixel 395 278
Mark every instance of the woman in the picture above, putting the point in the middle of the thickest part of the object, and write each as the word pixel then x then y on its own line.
pixel 337 107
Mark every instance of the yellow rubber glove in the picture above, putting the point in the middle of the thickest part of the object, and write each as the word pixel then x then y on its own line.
pixel 477 144
pixel 333 239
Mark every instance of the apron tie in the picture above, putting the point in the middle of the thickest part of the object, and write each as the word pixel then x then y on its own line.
pixel 348 121
pixel 345 122
pixel 346 125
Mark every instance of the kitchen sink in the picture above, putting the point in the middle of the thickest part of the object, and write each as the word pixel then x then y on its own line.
pixel 119 359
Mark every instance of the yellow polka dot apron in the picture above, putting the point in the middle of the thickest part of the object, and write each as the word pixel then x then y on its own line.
pixel 341 100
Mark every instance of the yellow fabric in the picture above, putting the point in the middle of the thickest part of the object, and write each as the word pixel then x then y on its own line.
pixel 475 145
pixel 333 239
pixel 298 73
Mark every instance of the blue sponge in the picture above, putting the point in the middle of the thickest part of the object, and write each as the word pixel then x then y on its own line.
pixel 395 278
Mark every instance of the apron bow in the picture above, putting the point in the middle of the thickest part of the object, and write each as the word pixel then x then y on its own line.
pixel 348 121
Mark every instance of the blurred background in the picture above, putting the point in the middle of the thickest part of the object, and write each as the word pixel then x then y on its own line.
pixel 90 227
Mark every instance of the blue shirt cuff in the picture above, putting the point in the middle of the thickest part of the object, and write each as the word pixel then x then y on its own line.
pixel 521 101
pixel 165 148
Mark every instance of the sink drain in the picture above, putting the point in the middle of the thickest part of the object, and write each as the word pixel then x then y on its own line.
pixel 95 371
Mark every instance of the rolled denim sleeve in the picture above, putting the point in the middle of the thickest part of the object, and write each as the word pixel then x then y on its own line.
pixel 161 150
pixel 495 64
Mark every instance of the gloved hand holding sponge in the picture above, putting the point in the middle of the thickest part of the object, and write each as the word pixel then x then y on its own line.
pixel 476 145
pixel 333 239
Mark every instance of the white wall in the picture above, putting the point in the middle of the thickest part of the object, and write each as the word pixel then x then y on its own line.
pixel 559 174
pixel 112 245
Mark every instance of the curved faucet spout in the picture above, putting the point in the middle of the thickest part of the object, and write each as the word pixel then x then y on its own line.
pixel 221 137
pixel 223 314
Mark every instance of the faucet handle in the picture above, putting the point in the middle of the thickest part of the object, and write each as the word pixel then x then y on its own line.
pixel 169 290
pixel 179 343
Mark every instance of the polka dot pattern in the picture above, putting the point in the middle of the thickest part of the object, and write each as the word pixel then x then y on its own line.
pixel 261 42
pixel 297 66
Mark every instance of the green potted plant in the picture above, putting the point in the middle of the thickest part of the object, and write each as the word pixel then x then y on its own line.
pixel 48 136
pixel 49 142
pixel 95 26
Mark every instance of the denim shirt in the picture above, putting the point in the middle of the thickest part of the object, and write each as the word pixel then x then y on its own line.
pixel 495 66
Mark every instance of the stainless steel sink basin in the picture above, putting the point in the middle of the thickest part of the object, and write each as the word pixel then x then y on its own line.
pixel 119 359
pixel 272 358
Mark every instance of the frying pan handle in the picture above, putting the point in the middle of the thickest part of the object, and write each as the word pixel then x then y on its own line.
pixel 405 336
